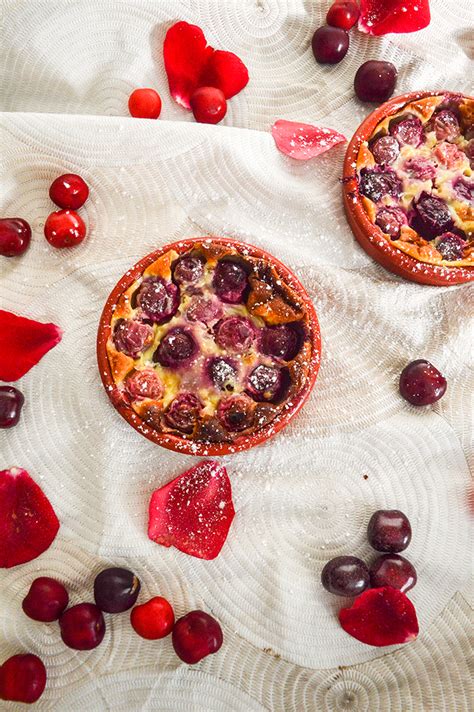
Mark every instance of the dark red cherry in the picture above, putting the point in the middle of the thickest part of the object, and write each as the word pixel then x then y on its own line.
pixel 116 590
pixel 330 44
pixel 209 105
pixel 376 182
pixel 11 403
pixel 69 191
pixel 177 348
pixel 375 81
pixel 223 373
pixel 392 570
pixel 196 635
pixel 421 383
pixel 64 228
pixel 450 246
pixel 235 333
pixel 389 530
pixel 343 14
pixel 82 626
pixel 204 309
pixel 15 236
pixel 158 300
pixel 282 341
pixel 385 149
pixel 431 216
pixel 230 282
pixel 390 220
pixel 183 412
pixel 345 576
pixel 188 269
pixel 131 336
pixel 445 124
pixel 22 679
pixel 408 130
pixel 46 600
pixel 264 383
pixel 236 413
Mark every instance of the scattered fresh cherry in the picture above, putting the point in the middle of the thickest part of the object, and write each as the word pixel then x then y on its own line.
pixel 46 600
pixel 116 590
pixel 392 570
pixel 345 576
pixel 22 678
pixel 375 81
pixel 421 383
pixel 144 104
pixel 330 44
pixel 343 14
pixel 153 619
pixel 209 105
pixel 11 403
pixel 15 236
pixel 389 530
pixel 82 626
pixel 196 635
pixel 64 228
pixel 69 191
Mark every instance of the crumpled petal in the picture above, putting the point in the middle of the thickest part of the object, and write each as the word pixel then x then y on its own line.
pixel 194 511
pixel 191 63
pixel 380 17
pixel 23 342
pixel 304 141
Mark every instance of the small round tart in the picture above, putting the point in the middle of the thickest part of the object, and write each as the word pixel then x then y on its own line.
pixel 208 346
pixel 409 186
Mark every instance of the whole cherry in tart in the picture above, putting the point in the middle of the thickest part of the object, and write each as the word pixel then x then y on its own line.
pixel 158 299
pixel 345 576
pixel 188 269
pixel 282 341
pixel 330 44
pixel 64 228
pixel 11 403
pixel 389 530
pixel 375 81
pixel 236 413
pixel 343 14
pixel 22 678
pixel 183 412
pixel 209 105
pixel 235 333
pixel 407 129
pixel 144 103
pixel 154 619
pixel 144 384
pixel 223 373
pixel 195 636
pixel 205 310
pixel 450 246
pixel 176 349
pixel 82 626
pixel 15 236
pixel 421 383
pixel 132 336
pixel 230 281
pixel 69 191
pixel 385 149
pixel 116 590
pixel 46 599
pixel 431 216
pixel 392 570
pixel 265 383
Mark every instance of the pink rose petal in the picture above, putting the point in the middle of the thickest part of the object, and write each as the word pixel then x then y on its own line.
pixel 304 141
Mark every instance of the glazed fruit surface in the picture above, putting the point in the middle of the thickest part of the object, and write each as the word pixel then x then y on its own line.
pixel 210 345
pixel 415 178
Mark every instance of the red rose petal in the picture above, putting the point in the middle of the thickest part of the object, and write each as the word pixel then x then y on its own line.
pixel 28 523
pixel 379 17
pixel 194 511
pixel 191 63
pixel 23 342
pixel 381 616
pixel 304 141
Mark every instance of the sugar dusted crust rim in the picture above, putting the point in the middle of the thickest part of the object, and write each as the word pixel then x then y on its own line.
pixel 292 294
pixel 385 251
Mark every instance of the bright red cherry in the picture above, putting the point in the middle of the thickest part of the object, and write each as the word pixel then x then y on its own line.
pixel 153 619
pixel 22 678
pixel 64 228
pixel 82 626
pixel 421 383
pixel 330 44
pixel 195 636
pixel 144 104
pixel 46 600
pixel 343 14
pixel 209 105
pixel 15 236
pixel 69 191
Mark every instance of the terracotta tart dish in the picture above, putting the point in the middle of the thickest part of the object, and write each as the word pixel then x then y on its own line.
pixel 208 346
pixel 409 187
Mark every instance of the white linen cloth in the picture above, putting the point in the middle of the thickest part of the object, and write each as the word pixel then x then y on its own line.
pixel 303 497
